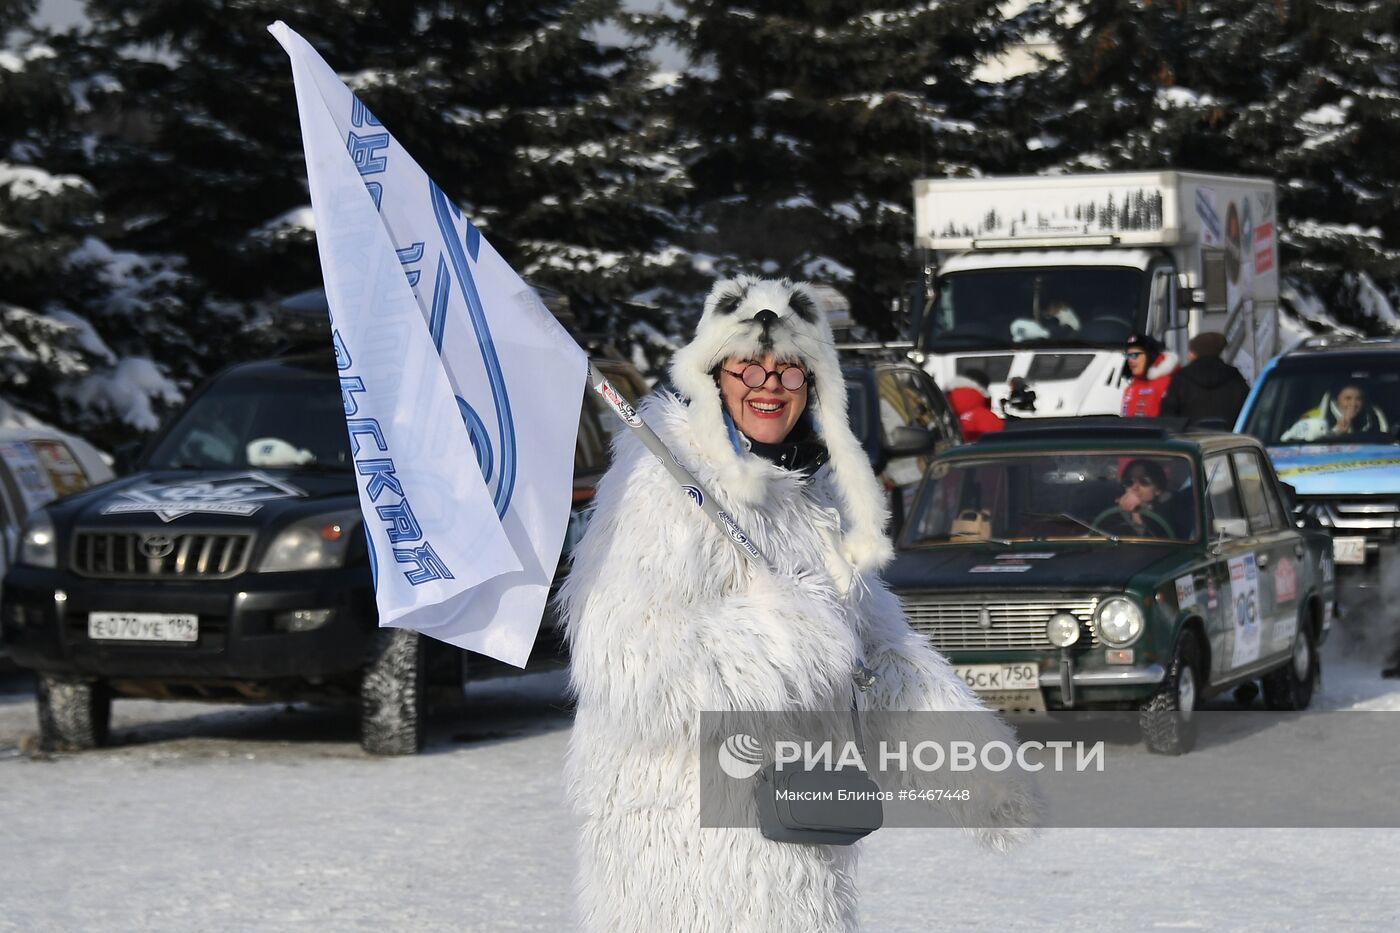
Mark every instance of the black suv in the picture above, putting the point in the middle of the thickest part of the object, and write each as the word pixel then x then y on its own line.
pixel 231 565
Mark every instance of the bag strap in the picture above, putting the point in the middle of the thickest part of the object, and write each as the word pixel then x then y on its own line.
pixel 862 679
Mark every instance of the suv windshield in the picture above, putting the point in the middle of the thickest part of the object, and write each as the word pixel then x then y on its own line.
pixel 1347 398
pixel 273 417
pixel 1002 307
pixel 1045 496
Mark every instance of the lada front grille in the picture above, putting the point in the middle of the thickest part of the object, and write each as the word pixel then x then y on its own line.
pixel 959 623
pixel 156 555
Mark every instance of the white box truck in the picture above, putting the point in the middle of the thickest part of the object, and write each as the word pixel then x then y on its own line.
pixel 1040 279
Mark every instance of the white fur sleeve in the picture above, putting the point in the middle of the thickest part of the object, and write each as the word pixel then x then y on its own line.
pixel 665 620
pixel 912 677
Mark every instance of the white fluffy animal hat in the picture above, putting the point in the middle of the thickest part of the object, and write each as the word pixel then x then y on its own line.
pixel 749 316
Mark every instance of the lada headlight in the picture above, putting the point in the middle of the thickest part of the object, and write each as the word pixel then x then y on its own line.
pixel 38 545
pixel 1119 621
pixel 316 543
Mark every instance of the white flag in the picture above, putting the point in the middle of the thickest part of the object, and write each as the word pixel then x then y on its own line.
pixel 461 390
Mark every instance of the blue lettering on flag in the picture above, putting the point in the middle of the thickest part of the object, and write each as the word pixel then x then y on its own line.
pixel 428 566
pixel 381 477
pixel 349 385
pixel 368 426
pixel 364 150
pixel 402 526
pixel 342 355
pixel 410 254
pixel 360 115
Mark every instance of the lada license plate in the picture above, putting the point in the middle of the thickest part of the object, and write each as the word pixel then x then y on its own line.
pixel 986 678
pixel 142 626
pixel 1349 550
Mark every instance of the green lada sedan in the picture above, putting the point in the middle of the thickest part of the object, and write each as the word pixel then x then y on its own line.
pixel 1116 565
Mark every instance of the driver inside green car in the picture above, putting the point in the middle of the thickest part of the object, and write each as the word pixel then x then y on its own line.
pixel 1144 500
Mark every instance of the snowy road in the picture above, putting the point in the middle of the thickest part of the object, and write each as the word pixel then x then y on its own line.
pixel 268 818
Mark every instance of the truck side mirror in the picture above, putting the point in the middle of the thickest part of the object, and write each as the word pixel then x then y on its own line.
pixel 1186 299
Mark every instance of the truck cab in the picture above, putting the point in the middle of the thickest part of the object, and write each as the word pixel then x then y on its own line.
pixel 1056 320
pixel 1037 281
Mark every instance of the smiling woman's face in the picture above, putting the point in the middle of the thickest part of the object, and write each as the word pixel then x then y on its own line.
pixel 765 414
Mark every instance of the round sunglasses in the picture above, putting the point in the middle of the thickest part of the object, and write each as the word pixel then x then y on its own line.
pixel 755 376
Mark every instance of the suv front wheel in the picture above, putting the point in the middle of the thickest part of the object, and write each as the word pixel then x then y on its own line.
pixel 393 703
pixel 74 715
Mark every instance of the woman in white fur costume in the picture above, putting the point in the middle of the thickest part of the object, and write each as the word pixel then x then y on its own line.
pixel 666 619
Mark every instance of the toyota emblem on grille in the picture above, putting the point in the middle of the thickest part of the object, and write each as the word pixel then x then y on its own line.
pixel 157 546
pixel 985 618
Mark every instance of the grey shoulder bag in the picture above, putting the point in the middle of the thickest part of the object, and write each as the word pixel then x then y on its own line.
pixel 833 807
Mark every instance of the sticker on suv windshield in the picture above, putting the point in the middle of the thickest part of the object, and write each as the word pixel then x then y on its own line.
pixel 239 494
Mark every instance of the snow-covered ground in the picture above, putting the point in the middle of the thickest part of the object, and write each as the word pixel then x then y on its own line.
pixel 270 818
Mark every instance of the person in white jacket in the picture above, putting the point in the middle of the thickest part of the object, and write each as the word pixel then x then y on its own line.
pixel 1345 413
pixel 665 619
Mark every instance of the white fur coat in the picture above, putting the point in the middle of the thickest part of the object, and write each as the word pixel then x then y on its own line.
pixel 666 619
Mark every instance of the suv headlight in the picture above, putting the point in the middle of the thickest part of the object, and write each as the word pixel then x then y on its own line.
pixel 1119 621
pixel 38 544
pixel 316 543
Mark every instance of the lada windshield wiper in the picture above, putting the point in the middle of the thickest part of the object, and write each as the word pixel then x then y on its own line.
pixel 977 539
pixel 1078 521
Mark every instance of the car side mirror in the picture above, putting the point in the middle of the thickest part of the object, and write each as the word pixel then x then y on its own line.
pixel 907 441
pixel 1229 528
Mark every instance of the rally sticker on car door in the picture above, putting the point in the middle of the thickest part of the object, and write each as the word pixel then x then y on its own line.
pixel 1244 598
pixel 1285 581
pixel 1185 591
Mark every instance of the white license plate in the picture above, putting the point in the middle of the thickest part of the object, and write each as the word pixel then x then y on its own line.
pixel 142 626
pixel 1349 550
pixel 986 678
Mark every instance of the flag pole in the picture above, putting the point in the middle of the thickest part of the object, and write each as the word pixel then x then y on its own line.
pixel 698 493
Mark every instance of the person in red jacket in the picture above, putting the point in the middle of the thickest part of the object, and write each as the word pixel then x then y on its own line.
pixel 967 393
pixel 1150 370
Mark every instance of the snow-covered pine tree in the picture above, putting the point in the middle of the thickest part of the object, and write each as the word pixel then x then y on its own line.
pixel 805 124
pixel 1303 91
pixel 42 217
pixel 527 121
pixel 71 310
pixel 1336 120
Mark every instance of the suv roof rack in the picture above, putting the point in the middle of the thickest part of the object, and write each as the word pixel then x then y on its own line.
pixel 1323 341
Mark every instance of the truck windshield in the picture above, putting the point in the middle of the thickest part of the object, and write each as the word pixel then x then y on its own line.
pixel 1118 495
pixel 1094 305
pixel 288 419
pixel 1349 399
